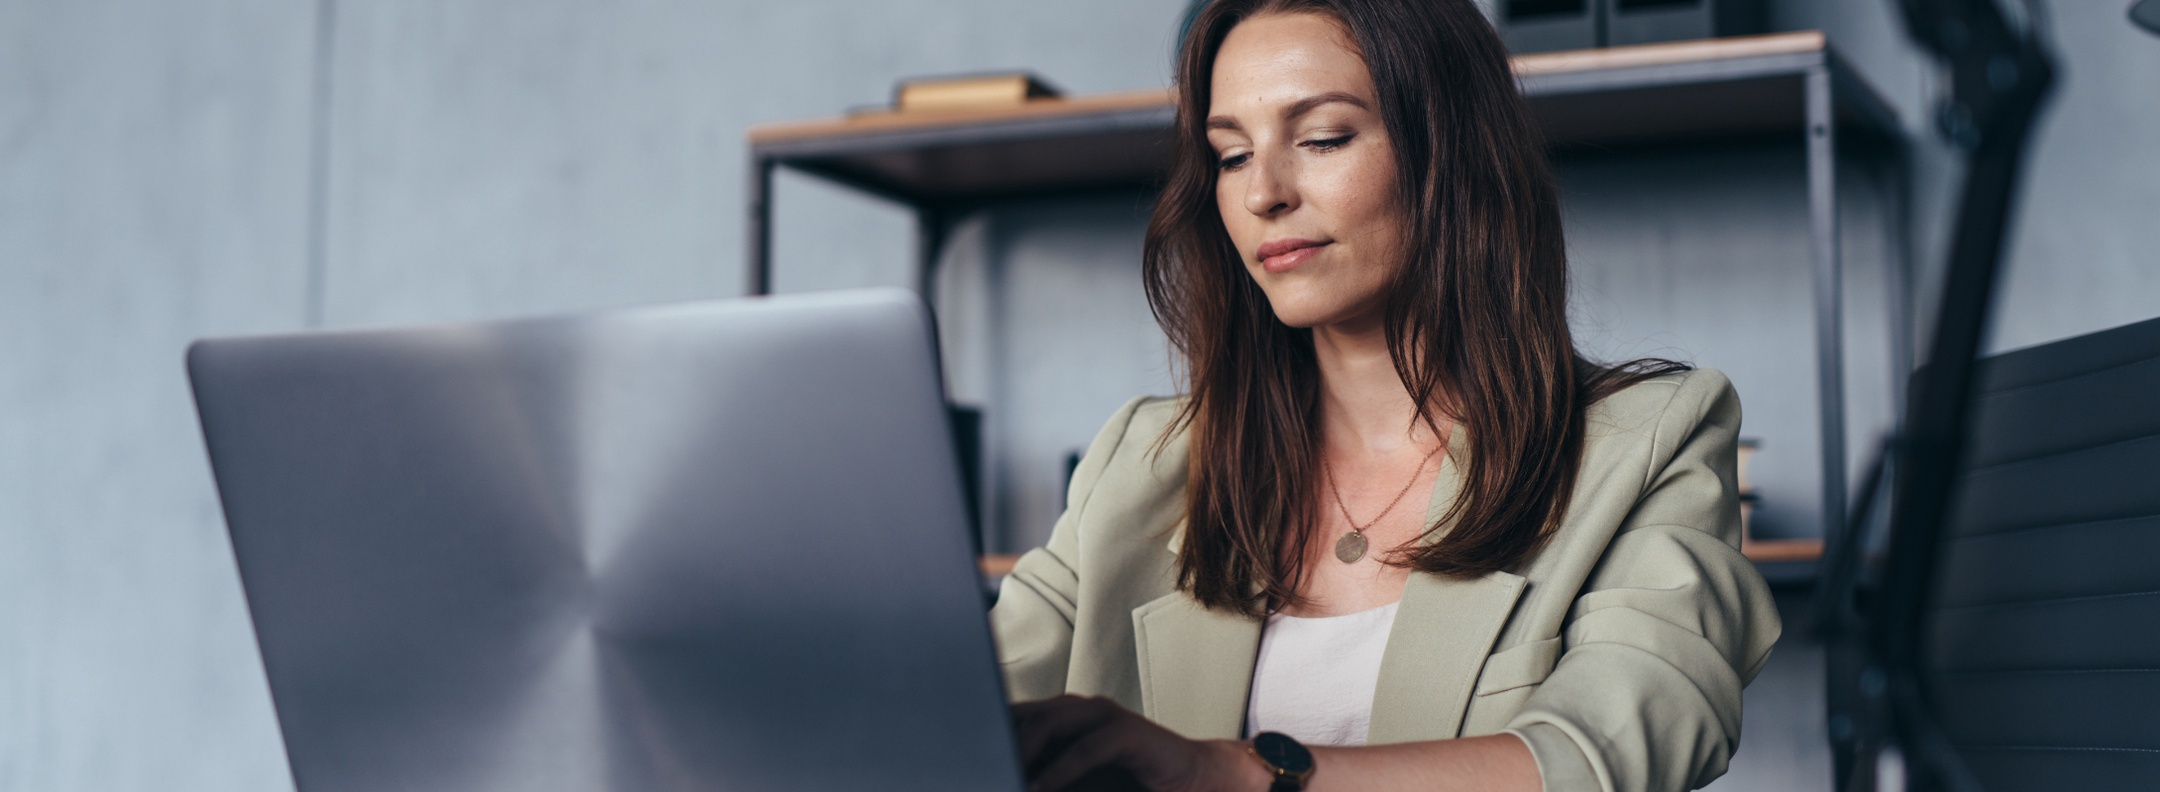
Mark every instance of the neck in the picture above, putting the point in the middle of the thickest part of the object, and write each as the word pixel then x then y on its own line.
pixel 1364 407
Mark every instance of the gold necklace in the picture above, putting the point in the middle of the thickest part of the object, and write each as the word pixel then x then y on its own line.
pixel 1351 546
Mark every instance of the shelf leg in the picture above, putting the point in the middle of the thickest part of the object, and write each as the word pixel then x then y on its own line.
pixel 930 232
pixel 757 261
pixel 1829 293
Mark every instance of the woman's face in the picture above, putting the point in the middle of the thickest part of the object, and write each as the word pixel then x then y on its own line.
pixel 1306 173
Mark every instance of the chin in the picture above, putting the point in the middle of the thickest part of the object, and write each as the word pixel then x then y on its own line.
pixel 1306 311
pixel 1299 317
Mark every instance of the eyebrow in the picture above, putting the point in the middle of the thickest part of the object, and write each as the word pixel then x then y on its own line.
pixel 1298 108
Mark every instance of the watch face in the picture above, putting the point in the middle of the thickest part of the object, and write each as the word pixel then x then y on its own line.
pixel 1283 753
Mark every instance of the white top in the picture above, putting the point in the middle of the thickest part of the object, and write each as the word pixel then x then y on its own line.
pixel 1314 679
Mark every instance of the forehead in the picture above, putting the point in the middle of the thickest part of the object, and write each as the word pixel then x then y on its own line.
pixel 1273 60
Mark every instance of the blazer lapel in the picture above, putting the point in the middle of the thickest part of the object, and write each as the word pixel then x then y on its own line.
pixel 1196 666
pixel 1443 631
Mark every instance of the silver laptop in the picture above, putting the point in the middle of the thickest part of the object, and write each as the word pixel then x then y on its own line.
pixel 715 546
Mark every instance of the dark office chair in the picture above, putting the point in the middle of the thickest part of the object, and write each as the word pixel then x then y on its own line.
pixel 1891 642
pixel 2037 659
pixel 2043 632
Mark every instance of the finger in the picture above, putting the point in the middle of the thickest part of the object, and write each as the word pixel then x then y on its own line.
pixel 1045 746
pixel 1053 704
pixel 1086 754
pixel 1041 723
pixel 1045 729
pixel 1030 710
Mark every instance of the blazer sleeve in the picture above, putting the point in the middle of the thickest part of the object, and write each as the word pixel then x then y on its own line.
pixel 1036 605
pixel 1671 624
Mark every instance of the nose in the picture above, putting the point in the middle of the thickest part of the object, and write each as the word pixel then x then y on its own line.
pixel 1270 186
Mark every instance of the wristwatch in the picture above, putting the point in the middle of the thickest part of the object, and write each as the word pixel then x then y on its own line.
pixel 1286 758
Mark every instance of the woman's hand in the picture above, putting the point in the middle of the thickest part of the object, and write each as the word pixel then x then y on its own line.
pixel 1074 742
pixel 1094 745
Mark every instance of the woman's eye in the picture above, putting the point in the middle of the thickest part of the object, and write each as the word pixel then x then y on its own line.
pixel 1329 144
pixel 1232 162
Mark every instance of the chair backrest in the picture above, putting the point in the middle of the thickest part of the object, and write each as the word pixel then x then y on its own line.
pixel 2044 630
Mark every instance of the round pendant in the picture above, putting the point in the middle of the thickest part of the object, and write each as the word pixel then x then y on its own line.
pixel 1350 547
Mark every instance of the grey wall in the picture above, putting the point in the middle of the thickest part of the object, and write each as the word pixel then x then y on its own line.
pixel 1674 257
pixel 2086 252
pixel 153 183
pixel 1069 339
pixel 157 177
pixel 2081 253
pixel 161 179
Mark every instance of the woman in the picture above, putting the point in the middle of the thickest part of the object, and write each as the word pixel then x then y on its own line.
pixel 1359 259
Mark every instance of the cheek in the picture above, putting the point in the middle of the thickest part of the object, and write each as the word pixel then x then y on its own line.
pixel 1364 195
pixel 1235 219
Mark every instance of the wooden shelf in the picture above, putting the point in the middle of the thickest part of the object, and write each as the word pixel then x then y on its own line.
pixel 887 121
pixel 1612 96
pixel 1782 550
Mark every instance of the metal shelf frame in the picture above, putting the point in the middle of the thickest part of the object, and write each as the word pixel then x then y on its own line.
pixel 944 165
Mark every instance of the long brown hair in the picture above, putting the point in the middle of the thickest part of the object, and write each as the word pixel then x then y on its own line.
pixel 1476 315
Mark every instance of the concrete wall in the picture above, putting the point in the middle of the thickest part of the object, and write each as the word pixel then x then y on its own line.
pixel 2082 250
pixel 2085 255
pixel 153 186
pixel 159 182
pixel 1673 257
pixel 227 166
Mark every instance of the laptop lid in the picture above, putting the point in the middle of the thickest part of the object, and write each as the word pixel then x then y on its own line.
pixel 708 546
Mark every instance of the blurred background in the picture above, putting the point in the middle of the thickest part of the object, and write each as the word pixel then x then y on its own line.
pixel 173 170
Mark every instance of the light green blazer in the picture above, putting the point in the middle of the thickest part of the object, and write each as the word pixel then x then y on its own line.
pixel 1617 653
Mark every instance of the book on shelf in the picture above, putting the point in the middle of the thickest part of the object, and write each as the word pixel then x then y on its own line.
pixel 969 92
pixel 1764 548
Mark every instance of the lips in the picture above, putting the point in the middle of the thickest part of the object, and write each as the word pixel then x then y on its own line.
pixel 1283 255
